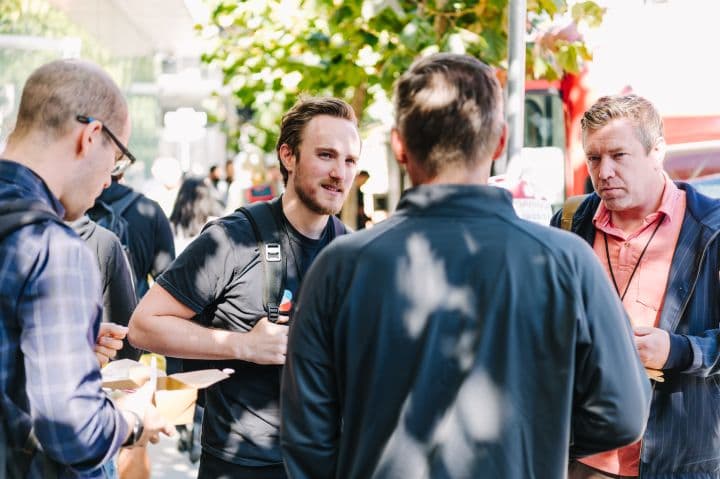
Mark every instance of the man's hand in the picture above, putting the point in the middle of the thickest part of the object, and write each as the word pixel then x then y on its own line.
pixel 266 342
pixel 653 346
pixel 109 342
pixel 140 402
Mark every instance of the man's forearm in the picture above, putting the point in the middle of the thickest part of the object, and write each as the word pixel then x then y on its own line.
pixel 163 325
pixel 182 338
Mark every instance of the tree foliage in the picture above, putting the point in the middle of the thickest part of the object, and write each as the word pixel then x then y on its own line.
pixel 272 50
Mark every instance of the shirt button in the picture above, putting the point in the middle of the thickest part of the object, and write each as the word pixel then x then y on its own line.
pixel 627 245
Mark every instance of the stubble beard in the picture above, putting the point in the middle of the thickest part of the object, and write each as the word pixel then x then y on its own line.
pixel 312 204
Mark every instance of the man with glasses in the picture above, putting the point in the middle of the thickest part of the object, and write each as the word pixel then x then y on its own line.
pixel 53 412
pixel 123 158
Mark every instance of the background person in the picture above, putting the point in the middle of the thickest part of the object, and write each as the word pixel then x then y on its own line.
pixel 118 290
pixel 194 207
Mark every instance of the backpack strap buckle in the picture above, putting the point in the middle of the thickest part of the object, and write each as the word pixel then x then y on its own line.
pixel 273 313
pixel 272 252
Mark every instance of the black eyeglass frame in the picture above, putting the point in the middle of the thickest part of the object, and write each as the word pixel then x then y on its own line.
pixel 119 166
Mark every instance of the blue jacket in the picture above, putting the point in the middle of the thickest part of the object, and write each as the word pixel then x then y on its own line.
pixel 682 438
pixel 50 312
pixel 455 340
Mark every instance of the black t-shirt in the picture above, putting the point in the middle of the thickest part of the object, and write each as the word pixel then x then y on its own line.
pixel 219 276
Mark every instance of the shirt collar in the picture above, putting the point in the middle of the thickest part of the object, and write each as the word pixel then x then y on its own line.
pixel 668 203
pixel 456 200
pixel 25 183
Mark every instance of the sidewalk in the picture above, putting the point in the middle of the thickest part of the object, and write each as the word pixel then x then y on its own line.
pixel 168 463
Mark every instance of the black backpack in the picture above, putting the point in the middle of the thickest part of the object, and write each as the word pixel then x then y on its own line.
pixel 110 216
pixel 272 245
pixel 14 462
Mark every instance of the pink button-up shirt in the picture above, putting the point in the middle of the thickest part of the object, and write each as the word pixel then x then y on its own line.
pixel 645 291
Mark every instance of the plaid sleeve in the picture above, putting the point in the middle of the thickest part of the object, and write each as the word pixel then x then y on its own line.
pixel 60 310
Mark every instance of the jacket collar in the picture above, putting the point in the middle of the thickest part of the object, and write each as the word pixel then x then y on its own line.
pixel 83 226
pixel 456 200
pixel 701 226
pixel 113 192
pixel 25 183
pixel 701 208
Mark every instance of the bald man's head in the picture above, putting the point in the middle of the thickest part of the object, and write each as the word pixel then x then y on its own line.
pixel 58 91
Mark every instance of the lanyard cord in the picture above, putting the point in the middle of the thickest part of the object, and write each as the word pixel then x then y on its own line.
pixel 612 274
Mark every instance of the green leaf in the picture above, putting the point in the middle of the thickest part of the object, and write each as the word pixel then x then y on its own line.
pixel 343 13
pixel 539 67
pixel 552 7
pixel 568 58
pixel 256 47
pixel 589 12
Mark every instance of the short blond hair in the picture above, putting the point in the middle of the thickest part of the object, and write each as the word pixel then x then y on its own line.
pixel 58 91
pixel 642 113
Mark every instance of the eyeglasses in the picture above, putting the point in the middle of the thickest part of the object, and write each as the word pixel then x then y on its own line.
pixel 124 158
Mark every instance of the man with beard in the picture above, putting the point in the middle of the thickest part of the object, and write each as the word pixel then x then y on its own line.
pixel 209 304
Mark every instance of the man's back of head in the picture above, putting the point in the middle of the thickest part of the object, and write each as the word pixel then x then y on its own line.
pixel 452 303
pixel 449 114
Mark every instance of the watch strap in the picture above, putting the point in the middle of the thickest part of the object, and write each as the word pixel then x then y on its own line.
pixel 137 430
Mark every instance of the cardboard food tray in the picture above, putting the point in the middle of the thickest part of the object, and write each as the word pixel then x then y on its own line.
pixel 175 395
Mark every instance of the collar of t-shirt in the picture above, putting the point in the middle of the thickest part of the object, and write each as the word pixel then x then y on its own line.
pixel 298 237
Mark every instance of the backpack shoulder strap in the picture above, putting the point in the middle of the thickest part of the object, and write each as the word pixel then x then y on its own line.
pixel 569 208
pixel 125 202
pixel 339 227
pixel 15 214
pixel 269 236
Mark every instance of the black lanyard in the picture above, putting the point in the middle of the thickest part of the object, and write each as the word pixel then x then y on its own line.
pixel 612 275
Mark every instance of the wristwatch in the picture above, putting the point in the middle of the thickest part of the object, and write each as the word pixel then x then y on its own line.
pixel 137 430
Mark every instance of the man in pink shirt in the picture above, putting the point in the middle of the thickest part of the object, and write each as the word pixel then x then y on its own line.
pixel 658 244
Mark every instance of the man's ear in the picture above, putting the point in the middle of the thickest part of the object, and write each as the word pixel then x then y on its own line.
pixel 88 137
pixel 658 153
pixel 397 144
pixel 404 159
pixel 501 143
pixel 287 157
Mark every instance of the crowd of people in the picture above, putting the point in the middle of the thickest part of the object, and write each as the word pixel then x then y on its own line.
pixel 452 340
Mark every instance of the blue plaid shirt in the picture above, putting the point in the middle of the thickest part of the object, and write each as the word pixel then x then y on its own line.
pixel 51 307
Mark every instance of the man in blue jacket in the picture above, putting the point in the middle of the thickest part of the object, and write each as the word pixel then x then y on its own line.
pixel 455 340
pixel 657 241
